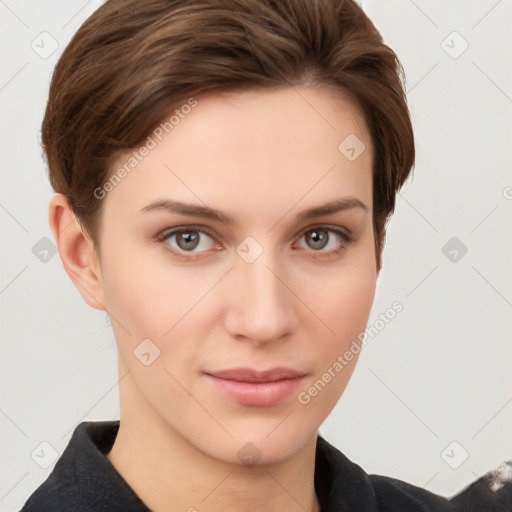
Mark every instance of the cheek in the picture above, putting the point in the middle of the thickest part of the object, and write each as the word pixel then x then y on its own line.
pixel 147 294
pixel 344 304
pixel 143 290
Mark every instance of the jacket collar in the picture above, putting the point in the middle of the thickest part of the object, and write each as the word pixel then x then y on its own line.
pixel 340 484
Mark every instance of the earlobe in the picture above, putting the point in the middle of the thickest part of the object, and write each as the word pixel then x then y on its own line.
pixel 76 252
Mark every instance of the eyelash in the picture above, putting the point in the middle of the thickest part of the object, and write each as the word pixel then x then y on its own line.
pixel 168 233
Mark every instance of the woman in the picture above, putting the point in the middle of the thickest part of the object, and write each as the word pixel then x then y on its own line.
pixel 224 171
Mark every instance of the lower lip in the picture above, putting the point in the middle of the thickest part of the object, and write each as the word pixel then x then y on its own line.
pixel 260 394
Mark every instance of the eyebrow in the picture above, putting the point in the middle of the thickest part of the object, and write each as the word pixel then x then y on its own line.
pixel 196 210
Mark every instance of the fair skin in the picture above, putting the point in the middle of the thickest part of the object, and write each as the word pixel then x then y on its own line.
pixel 262 158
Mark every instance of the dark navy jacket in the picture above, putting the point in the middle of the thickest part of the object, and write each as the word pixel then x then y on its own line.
pixel 84 480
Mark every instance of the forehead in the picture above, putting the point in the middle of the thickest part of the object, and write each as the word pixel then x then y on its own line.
pixel 251 149
pixel 296 115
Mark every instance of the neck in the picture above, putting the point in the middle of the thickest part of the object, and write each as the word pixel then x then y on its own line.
pixel 170 474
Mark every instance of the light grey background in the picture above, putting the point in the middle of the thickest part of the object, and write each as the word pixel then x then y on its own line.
pixel 439 372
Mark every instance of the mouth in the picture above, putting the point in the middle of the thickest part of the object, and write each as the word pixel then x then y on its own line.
pixel 256 388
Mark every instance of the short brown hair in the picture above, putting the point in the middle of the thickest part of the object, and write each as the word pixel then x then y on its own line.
pixel 132 61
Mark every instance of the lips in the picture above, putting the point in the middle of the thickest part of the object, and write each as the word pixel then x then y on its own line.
pixel 252 375
pixel 260 388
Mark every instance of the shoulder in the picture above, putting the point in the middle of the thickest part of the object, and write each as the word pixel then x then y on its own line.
pixel 489 493
pixel 83 478
pixel 345 486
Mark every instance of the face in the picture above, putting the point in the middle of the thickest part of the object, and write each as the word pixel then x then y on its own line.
pixel 262 285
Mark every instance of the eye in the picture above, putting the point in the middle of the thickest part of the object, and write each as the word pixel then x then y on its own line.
pixel 186 240
pixel 189 242
pixel 318 238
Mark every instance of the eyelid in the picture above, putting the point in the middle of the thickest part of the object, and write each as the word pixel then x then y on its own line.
pixel 172 230
pixel 330 227
pixel 168 232
pixel 346 235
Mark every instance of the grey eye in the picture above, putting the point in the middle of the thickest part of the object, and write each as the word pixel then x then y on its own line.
pixel 317 238
pixel 187 240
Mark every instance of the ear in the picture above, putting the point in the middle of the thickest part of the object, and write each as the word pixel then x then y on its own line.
pixel 77 252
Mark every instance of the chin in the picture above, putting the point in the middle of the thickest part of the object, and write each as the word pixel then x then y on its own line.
pixel 262 446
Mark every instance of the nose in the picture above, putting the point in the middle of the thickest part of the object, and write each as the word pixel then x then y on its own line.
pixel 262 305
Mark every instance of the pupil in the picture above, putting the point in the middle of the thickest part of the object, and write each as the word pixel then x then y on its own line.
pixel 318 238
pixel 188 238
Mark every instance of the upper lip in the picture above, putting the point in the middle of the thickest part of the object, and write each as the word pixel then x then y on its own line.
pixel 252 375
